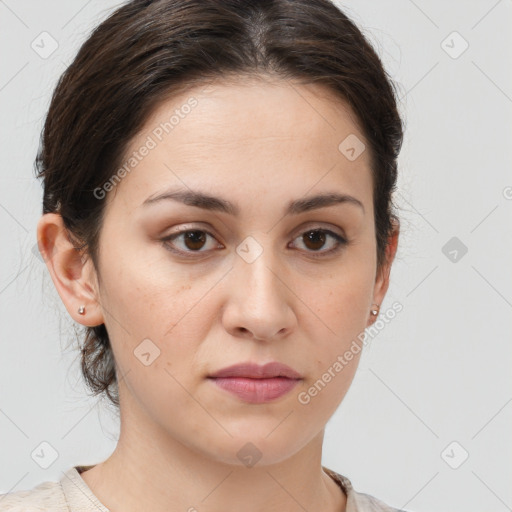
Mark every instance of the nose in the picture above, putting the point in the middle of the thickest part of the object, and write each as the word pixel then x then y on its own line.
pixel 260 301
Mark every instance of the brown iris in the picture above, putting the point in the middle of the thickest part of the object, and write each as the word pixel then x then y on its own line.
pixel 317 238
pixel 195 239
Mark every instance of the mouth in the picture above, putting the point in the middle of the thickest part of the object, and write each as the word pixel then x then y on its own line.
pixel 255 383
pixel 256 371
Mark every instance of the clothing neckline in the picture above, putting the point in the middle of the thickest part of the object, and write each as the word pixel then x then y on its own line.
pixel 75 487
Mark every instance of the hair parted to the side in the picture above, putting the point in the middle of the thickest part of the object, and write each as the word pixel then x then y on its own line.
pixel 148 51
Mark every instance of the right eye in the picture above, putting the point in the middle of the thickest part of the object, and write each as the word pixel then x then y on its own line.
pixel 192 241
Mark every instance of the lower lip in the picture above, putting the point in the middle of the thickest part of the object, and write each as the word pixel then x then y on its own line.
pixel 256 391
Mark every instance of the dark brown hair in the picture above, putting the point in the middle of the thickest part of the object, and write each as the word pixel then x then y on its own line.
pixel 147 51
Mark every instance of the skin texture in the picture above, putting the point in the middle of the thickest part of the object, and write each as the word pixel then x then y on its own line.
pixel 259 144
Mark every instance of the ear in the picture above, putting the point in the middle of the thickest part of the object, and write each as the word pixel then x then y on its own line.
pixel 75 280
pixel 382 280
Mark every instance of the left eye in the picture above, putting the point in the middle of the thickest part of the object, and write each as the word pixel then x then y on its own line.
pixel 315 239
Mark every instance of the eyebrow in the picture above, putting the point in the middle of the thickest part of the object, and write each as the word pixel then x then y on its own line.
pixel 211 203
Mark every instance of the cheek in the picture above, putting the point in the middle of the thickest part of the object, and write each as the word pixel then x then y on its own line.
pixel 320 397
pixel 335 324
pixel 338 304
pixel 146 296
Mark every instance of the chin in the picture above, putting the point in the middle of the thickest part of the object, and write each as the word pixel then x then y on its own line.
pixel 256 448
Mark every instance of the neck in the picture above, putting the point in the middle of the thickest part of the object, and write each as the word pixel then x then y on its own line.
pixel 150 470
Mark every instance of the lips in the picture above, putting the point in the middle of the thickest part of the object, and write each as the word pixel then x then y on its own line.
pixel 256 384
pixel 255 371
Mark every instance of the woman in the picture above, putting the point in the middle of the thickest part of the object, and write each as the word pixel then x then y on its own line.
pixel 217 212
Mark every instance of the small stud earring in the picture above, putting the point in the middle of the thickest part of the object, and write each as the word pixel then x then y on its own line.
pixel 81 310
pixel 375 312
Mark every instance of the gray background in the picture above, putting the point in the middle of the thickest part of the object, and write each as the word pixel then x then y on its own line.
pixel 439 373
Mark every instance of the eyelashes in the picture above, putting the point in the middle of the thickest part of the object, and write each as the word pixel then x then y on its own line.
pixel 193 242
pixel 191 236
pixel 312 236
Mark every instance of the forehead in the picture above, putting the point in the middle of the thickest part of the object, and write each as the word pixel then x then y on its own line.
pixel 246 111
pixel 251 135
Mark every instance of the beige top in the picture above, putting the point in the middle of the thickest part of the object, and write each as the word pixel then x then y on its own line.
pixel 72 494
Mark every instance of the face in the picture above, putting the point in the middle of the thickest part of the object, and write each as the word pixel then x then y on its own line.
pixel 188 286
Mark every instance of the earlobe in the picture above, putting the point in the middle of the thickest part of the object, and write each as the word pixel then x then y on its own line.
pixel 73 278
pixel 382 281
pixel 374 313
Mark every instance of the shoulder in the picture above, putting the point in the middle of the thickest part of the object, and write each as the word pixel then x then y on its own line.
pixel 46 496
pixel 359 501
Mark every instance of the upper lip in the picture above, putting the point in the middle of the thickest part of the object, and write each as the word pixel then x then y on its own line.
pixel 256 371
